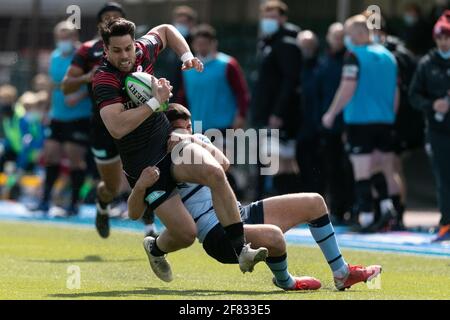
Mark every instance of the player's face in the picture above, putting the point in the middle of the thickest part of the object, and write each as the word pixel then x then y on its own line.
pixel 121 52
pixel 182 126
pixel 203 46
pixel 443 43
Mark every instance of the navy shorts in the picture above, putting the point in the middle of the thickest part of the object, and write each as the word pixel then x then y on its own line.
pixel 216 243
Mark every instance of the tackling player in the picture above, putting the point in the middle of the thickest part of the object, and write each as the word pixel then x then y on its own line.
pixel 265 222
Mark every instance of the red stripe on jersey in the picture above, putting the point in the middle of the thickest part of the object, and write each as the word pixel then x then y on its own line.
pixel 106 78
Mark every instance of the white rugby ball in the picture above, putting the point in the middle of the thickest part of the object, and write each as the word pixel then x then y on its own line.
pixel 138 86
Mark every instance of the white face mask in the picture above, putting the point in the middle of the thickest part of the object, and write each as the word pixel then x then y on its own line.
pixel 269 26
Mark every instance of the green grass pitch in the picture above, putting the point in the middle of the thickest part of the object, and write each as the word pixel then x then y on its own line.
pixel 36 262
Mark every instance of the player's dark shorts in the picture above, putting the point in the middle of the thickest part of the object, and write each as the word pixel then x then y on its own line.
pixel 163 188
pixel 364 139
pixel 216 243
pixel 76 131
pixel 103 146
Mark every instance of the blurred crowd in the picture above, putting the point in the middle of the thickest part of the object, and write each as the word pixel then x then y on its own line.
pixel 348 109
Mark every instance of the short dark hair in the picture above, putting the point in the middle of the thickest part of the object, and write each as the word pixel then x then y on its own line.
pixel 275 5
pixel 110 6
pixel 116 28
pixel 176 112
pixel 204 30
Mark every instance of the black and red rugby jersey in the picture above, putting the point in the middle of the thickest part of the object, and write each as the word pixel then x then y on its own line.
pixel 147 144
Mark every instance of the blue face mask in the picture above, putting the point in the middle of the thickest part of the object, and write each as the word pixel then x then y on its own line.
pixel 183 29
pixel 376 39
pixel 66 46
pixel 269 26
pixel 348 43
pixel 444 54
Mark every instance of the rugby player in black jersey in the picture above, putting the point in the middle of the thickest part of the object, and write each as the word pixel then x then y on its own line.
pixel 141 133
pixel 86 60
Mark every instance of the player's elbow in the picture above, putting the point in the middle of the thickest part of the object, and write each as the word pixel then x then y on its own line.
pixel 117 133
pixel 133 213
pixel 225 164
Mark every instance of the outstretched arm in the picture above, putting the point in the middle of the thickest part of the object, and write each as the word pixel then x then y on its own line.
pixel 173 39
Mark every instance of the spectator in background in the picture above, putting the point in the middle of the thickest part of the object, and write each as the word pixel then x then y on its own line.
pixel 69 121
pixel 225 97
pixel 336 167
pixel 224 100
pixel 42 84
pixel 275 97
pixel 308 139
pixel 369 94
pixel 430 93
pixel 24 140
pixel 409 122
pixel 416 31
pixel 8 98
pixel 184 18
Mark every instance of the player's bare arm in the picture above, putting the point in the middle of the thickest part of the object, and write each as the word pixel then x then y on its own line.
pixel 136 204
pixel 176 137
pixel 343 95
pixel 75 78
pixel 120 121
pixel 173 39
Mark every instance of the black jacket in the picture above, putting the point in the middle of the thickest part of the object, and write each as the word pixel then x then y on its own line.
pixel 431 82
pixel 276 89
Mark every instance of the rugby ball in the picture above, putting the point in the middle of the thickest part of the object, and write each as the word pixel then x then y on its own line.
pixel 138 86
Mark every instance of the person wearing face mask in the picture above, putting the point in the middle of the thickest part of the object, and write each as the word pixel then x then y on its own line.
pixel 368 95
pixel 225 96
pixel 430 93
pixel 69 121
pixel 416 30
pixel 275 95
pixel 184 19
pixel 308 157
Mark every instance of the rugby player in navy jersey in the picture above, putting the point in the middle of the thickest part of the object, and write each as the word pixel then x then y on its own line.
pixel 142 132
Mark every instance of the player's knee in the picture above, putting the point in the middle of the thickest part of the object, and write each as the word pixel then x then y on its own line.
pixel 316 205
pixel 275 241
pixel 185 238
pixel 214 175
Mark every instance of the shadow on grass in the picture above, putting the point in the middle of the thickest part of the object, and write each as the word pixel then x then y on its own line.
pixel 171 292
pixel 92 258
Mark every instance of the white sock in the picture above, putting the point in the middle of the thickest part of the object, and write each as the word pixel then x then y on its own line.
pixel 341 272
pixel 365 218
pixel 386 206
pixel 150 227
